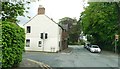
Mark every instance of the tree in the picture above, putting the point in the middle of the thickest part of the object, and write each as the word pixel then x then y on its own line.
pixel 67 21
pixel 118 12
pixel 72 27
pixel 13 36
pixel 13 41
pixel 100 19
pixel 10 11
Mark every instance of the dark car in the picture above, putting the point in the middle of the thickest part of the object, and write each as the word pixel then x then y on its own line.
pixel 87 45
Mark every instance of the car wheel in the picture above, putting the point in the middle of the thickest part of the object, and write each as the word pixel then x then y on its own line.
pixel 90 51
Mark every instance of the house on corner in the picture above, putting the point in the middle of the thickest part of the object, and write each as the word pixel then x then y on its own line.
pixel 44 34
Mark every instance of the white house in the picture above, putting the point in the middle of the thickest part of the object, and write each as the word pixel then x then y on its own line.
pixel 42 33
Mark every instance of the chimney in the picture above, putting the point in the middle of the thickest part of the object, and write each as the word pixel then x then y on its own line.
pixel 41 10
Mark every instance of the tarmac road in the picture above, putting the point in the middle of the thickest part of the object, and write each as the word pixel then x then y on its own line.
pixel 78 57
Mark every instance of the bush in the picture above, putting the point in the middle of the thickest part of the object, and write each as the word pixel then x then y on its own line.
pixel 13 40
pixel 81 42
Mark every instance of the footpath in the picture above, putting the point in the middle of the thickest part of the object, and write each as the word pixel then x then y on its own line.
pixel 32 64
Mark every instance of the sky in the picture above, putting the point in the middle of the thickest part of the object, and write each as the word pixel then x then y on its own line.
pixel 55 9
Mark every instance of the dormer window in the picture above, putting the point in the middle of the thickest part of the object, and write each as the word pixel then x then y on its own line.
pixel 28 29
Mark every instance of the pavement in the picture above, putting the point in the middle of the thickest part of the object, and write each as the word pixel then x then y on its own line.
pixel 32 64
pixel 68 50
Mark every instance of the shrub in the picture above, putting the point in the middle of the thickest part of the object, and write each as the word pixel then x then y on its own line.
pixel 13 40
pixel 81 42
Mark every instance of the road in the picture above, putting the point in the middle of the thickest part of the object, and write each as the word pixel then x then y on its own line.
pixel 78 57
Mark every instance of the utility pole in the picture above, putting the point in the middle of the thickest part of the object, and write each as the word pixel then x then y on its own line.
pixel 116 40
pixel 115 46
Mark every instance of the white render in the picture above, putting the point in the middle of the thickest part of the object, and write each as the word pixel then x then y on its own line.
pixel 43 24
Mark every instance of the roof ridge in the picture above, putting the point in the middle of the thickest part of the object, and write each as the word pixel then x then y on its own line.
pixel 30 19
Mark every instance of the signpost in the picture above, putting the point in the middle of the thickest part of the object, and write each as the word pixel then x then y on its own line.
pixel 116 40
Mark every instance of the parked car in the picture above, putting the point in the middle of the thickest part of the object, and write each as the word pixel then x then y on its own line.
pixel 94 48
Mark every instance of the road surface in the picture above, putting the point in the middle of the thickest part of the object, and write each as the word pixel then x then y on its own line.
pixel 78 57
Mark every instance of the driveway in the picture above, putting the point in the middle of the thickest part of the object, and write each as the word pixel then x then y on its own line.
pixel 78 57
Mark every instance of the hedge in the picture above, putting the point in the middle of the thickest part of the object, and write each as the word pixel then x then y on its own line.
pixel 13 41
pixel 0 43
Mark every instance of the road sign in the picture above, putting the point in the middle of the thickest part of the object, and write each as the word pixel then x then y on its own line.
pixel 116 37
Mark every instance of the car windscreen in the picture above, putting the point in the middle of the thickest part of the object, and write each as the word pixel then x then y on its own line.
pixel 95 47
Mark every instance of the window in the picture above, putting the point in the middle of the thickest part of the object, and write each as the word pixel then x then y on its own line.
pixel 41 36
pixel 39 44
pixel 46 35
pixel 28 29
pixel 28 43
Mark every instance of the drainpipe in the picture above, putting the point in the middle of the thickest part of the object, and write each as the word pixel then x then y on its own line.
pixel 51 49
pixel 43 41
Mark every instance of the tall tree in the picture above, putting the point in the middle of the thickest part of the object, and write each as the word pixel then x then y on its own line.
pixel 67 21
pixel 72 27
pixel 10 10
pixel 118 11
pixel 100 19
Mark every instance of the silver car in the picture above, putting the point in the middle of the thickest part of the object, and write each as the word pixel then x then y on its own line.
pixel 94 48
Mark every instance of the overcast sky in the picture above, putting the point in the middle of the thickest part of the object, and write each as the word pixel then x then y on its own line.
pixel 55 9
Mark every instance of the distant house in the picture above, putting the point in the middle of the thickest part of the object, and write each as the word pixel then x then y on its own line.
pixel 83 37
pixel 44 34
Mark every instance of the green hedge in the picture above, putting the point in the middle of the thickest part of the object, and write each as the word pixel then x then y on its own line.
pixel 13 40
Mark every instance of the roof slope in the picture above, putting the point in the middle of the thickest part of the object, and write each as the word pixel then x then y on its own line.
pixel 47 17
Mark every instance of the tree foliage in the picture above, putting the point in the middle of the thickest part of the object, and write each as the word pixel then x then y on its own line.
pixel 72 27
pixel 13 41
pixel 100 19
pixel 67 21
pixel 10 11
pixel 13 36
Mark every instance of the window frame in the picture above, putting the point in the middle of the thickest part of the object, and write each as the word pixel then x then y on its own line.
pixel 39 43
pixel 41 35
pixel 28 29
pixel 46 35
pixel 27 41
